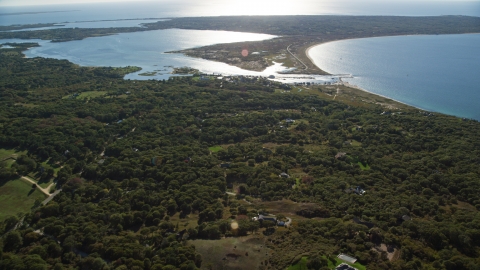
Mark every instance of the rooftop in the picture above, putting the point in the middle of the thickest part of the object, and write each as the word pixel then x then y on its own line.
pixel 346 258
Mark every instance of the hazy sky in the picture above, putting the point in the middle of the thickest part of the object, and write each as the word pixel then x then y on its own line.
pixel 49 2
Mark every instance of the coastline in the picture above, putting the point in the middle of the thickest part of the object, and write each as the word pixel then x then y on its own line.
pixel 347 84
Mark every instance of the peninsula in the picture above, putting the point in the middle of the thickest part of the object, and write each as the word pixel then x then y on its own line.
pixel 295 35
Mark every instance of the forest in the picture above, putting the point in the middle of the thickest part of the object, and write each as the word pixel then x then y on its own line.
pixel 145 167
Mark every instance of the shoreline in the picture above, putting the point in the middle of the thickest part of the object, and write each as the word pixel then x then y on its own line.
pixel 347 84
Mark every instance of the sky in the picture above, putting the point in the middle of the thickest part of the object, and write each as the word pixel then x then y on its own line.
pixel 52 2
pixel 55 2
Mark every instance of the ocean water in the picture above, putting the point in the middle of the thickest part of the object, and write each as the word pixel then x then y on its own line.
pixel 437 73
pixel 189 8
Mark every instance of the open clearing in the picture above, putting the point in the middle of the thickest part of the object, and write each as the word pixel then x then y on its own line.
pixel 10 153
pixel 215 148
pixel 17 196
pixel 87 95
pixel 233 253
pixel 302 264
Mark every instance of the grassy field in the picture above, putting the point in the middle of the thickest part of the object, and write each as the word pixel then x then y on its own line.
pixel 356 265
pixel 363 167
pixel 88 94
pixel 233 253
pixel 36 177
pixel 300 265
pixel 7 153
pixel 17 196
pixel 215 148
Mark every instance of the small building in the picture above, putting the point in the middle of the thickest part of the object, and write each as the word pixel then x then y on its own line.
pixel 289 120
pixel 344 266
pixel 359 191
pixel 262 218
pixel 101 161
pixel 346 258
pixel 406 217
pixel 340 155
pixel 284 175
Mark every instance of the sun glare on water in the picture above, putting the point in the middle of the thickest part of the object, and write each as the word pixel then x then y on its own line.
pixel 253 7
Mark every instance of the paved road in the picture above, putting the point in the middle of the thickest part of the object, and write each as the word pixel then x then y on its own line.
pixel 288 50
pixel 47 200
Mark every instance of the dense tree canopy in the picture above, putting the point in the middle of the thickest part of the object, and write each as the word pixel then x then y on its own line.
pixel 138 154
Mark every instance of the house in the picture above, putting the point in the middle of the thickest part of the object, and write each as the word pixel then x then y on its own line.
pixel 262 218
pixel 289 120
pixel 346 258
pixel 284 175
pixel 344 266
pixel 359 191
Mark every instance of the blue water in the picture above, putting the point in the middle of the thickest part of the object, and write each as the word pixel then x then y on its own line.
pixel 436 73
pixel 148 51
pixel 189 8
pixel 145 50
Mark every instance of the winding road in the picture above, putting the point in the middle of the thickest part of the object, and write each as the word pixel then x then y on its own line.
pixel 45 191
